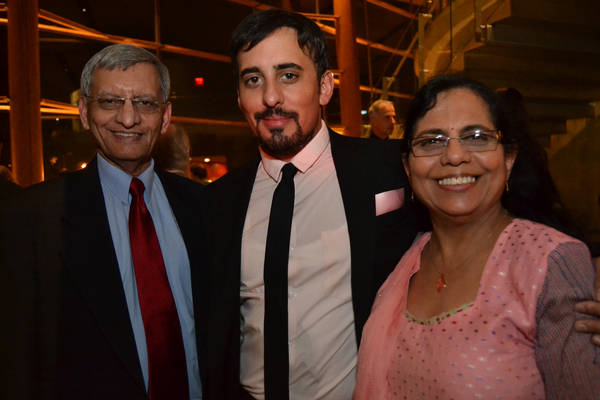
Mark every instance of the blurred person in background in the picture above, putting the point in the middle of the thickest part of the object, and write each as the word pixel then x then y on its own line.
pixel 382 117
pixel 8 186
pixel 171 151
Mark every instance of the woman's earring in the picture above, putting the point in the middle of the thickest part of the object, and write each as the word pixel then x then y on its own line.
pixel 507 185
pixel 412 196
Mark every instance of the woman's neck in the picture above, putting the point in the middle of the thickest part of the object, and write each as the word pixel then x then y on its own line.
pixel 457 238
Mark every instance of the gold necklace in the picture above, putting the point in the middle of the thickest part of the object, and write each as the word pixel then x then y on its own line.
pixel 441 283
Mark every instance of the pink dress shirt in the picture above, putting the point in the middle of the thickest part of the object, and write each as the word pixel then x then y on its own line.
pixel 322 343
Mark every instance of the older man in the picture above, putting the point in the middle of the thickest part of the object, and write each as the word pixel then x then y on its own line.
pixel 95 280
pixel 382 117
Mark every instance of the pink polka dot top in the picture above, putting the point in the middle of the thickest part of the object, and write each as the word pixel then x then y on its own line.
pixel 483 350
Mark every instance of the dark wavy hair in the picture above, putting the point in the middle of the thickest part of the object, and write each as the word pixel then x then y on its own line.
pixel 258 26
pixel 532 193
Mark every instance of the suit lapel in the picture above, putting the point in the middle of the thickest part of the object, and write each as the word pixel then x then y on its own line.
pixel 229 199
pixel 89 254
pixel 245 182
pixel 359 206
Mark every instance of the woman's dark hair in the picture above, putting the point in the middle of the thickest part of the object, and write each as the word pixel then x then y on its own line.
pixel 532 193
pixel 535 195
pixel 258 26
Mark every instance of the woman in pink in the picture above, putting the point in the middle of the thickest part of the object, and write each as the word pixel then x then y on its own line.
pixel 483 306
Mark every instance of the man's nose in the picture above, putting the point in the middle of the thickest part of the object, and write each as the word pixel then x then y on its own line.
pixel 128 115
pixel 272 95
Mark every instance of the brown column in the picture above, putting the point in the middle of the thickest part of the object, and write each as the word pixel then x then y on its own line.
pixel 24 91
pixel 347 55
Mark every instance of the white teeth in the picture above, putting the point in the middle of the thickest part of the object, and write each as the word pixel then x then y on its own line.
pixel 125 134
pixel 461 180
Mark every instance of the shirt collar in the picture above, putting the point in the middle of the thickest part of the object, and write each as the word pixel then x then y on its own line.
pixel 118 181
pixel 305 158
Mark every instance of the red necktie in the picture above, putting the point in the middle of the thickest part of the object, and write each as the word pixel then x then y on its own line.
pixel 167 371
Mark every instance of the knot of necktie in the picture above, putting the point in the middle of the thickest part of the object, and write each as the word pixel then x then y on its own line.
pixel 137 187
pixel 289 171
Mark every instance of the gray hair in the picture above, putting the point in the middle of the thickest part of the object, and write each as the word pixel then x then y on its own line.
pixel 123 56
pixel 376 106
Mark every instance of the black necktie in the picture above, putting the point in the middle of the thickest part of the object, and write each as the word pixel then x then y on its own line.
pixel 277 364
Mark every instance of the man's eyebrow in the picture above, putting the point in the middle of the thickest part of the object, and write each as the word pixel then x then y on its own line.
pixel 138 96
pixel 250 70
pixel 295 66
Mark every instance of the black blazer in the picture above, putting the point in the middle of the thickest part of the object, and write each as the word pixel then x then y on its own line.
pixel 364 168
pixel 8 188
pixel 65 330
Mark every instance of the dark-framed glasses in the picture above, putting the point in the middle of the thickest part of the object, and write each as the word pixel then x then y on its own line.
pixel 471 141
pixel 113 103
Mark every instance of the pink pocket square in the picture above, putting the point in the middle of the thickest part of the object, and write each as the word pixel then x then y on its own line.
pixel 388 201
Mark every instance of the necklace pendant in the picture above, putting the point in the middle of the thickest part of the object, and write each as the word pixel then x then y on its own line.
pixel 441 284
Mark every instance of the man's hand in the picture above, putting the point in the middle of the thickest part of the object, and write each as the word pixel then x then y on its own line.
pixel 591 308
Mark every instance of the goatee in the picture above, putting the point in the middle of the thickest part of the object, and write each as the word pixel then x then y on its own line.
pixel 278 144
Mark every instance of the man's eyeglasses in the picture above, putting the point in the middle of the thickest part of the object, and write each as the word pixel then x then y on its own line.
pixel 112 103
pixel 471 141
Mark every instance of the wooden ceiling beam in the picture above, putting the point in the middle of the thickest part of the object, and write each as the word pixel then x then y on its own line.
pixel 69 28
pixel 329 29
pixel 391 8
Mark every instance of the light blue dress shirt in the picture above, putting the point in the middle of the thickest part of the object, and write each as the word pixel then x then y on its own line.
pixel 115 186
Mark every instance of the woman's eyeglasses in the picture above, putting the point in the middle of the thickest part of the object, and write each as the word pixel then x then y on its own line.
pixel 471 141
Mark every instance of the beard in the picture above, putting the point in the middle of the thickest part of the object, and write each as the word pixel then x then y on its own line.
pixel 279 144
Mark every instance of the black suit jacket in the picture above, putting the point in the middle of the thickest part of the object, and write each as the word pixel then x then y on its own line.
pixel 364 168
pixel 8 188
pixel 65 331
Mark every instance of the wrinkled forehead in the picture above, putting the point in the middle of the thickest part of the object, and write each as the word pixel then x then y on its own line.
pixel 139 79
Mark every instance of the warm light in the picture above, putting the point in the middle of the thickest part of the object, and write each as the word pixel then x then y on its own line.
pixel 82 166
pixel 199 81
pixel 58 119
pixel 207 160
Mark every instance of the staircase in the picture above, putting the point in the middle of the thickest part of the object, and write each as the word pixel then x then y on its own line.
pixel 550 51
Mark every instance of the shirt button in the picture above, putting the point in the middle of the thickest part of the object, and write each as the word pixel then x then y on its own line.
pixel 292 294
pixel 291 249
pixel 290 345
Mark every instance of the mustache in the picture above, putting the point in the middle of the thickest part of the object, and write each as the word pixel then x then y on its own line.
pixel 280 112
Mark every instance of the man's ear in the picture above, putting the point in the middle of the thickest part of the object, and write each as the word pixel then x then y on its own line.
pixel 166 118
pixel 83 113
pixel 326 88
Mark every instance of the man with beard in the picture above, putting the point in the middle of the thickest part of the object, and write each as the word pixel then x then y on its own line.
pixel 350 225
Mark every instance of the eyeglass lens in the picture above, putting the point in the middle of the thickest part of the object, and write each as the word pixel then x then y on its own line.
pixel 471 141
pixel 115 103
